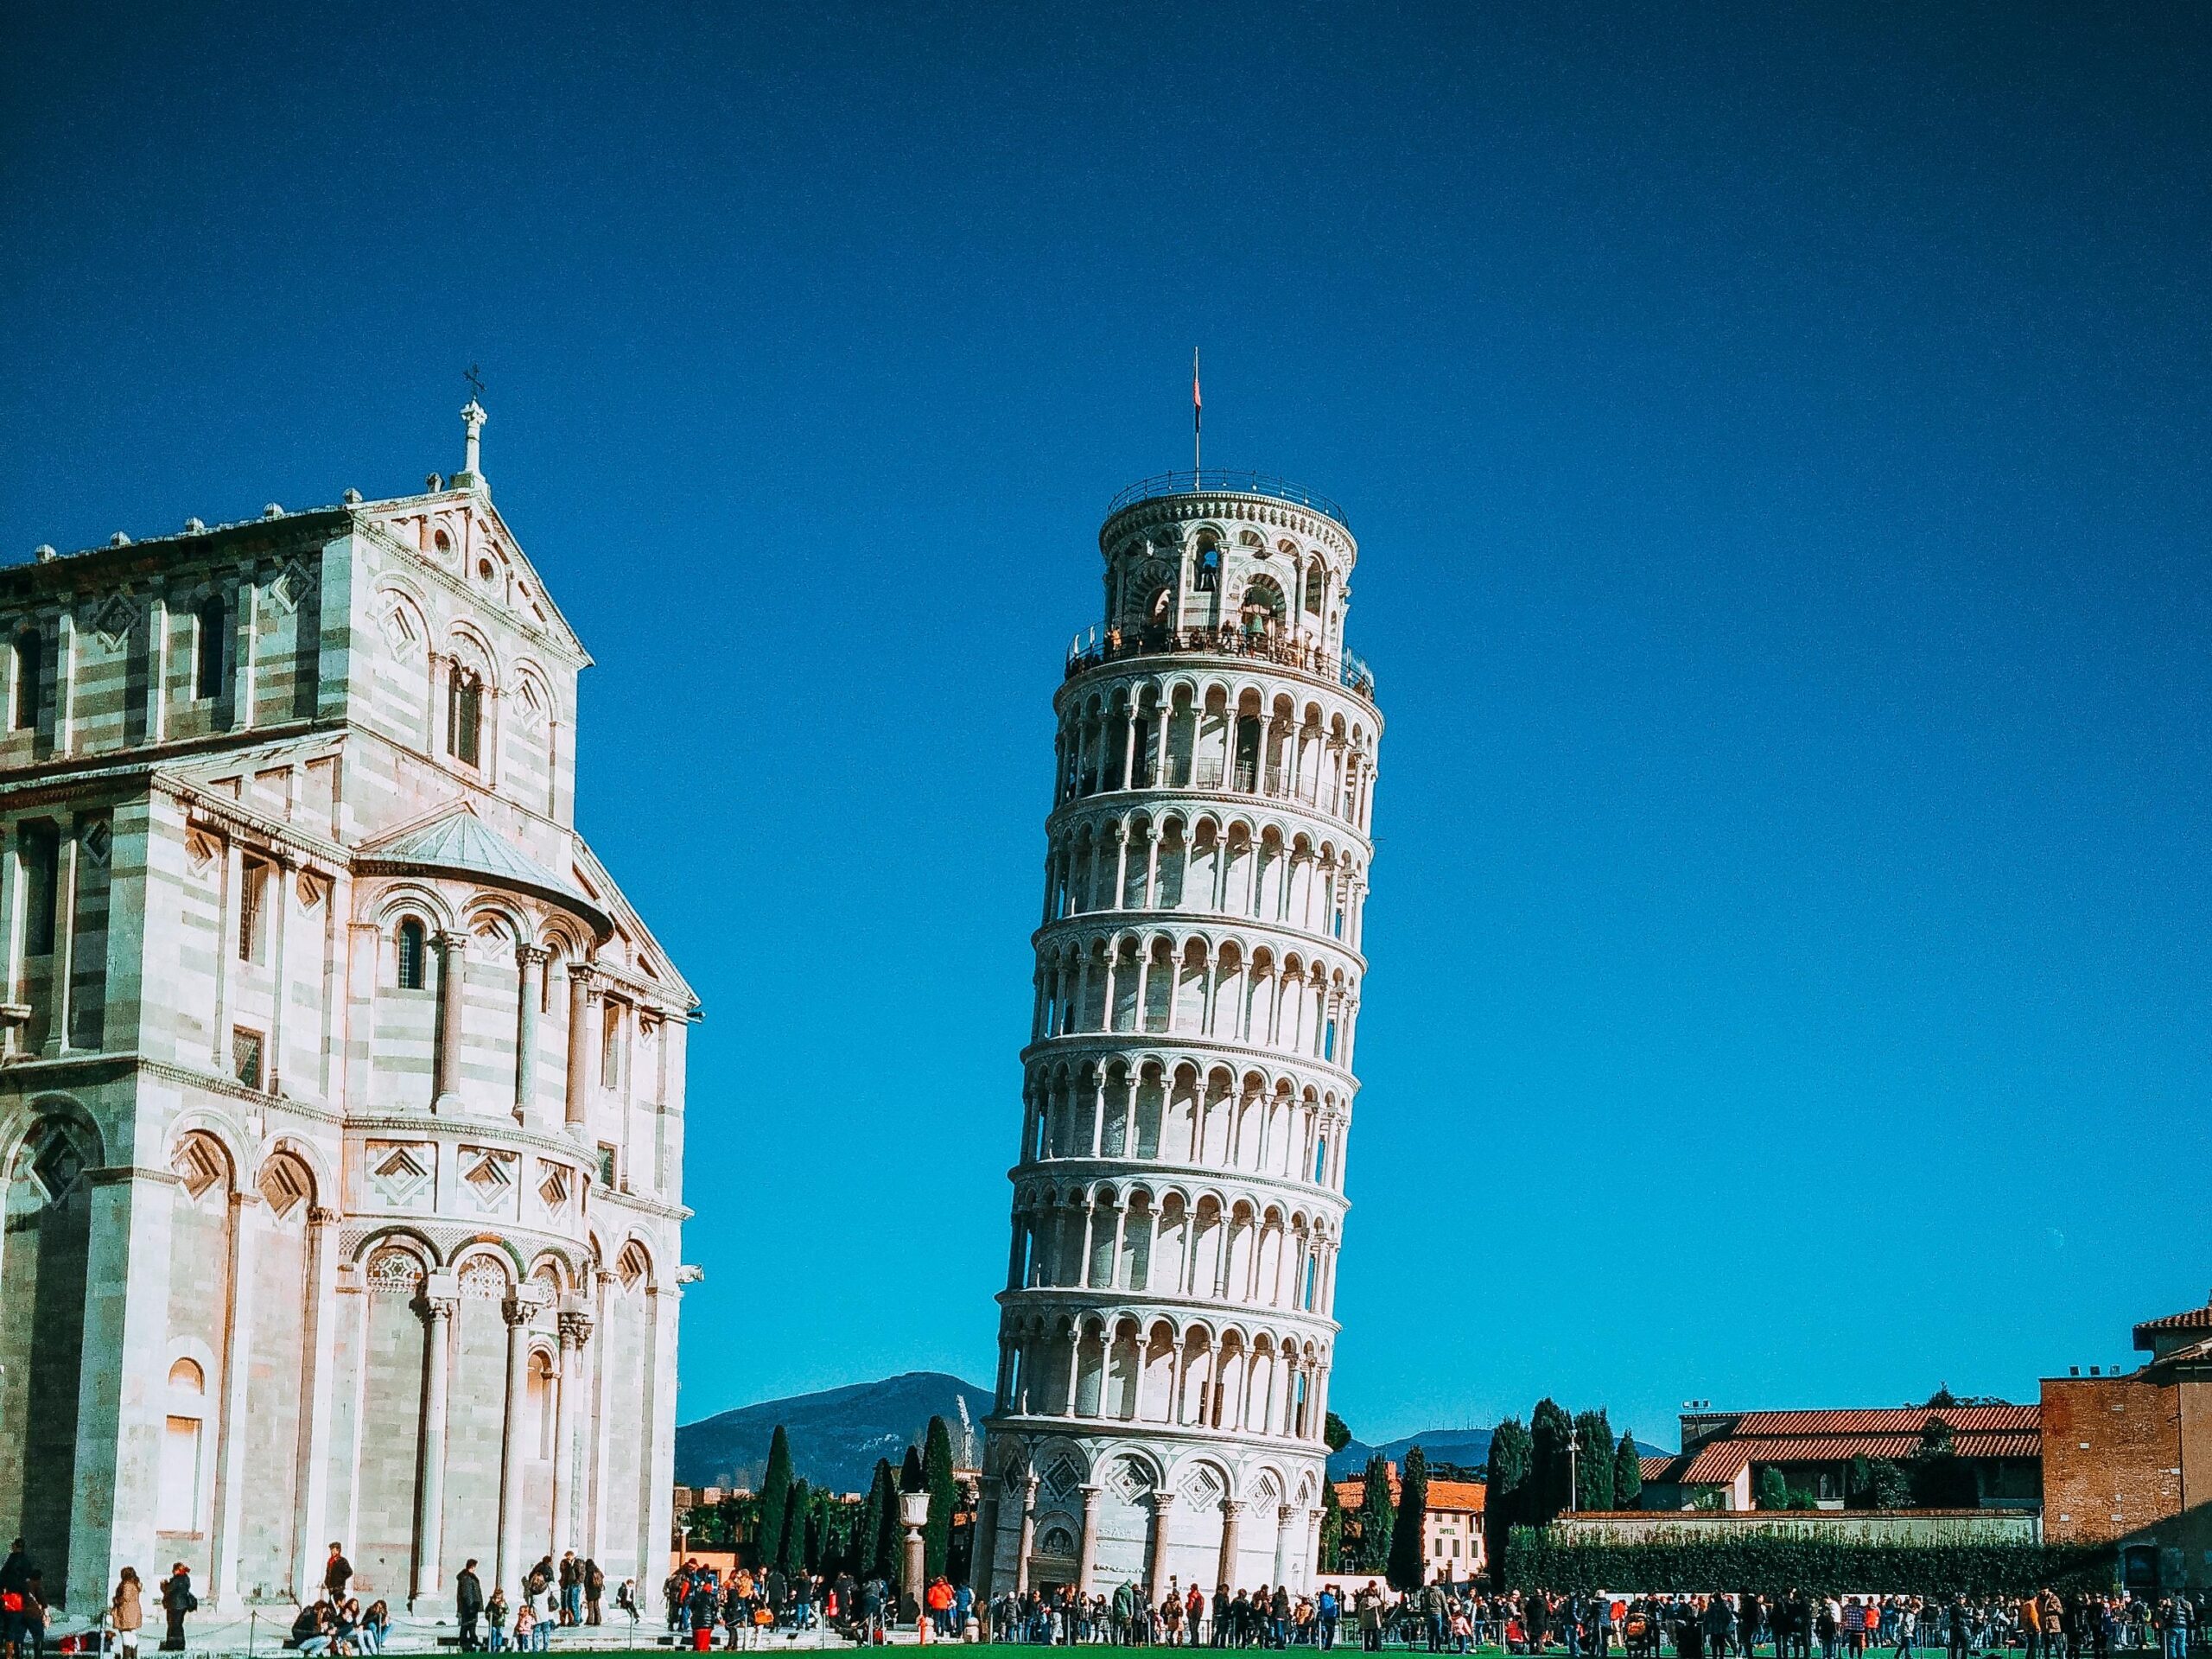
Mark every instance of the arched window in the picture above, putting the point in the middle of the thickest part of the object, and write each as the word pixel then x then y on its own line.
pixel 209 655
pixel 464 715
pixel 1320 1160
pixel 1262 614
pixel 414 956
pixel 30 662
pixel 1207 577
pixel 1315 583
pixel 176 1501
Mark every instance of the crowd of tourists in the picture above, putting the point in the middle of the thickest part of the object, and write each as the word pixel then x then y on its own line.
pixel 1443 1618
pixel 742 1607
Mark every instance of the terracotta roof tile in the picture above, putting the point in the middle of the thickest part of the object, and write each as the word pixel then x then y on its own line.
pixel 1896 1419
pixel 2193 1318
pixel 1719 1462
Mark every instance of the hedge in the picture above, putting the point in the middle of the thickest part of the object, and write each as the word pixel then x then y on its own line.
pixel 1771 1565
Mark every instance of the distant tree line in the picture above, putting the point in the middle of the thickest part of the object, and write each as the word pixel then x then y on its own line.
pixel 792 1527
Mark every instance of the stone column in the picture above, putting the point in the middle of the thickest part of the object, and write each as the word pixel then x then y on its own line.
pixel 1086 1565
pixel 605 1413
pixel 1313 1544
pixel 509 1568
pixel 440 1299
pixel 1028 1534
pixel 1231 1513
pixel 227 951
pixel 313 1477
pixel 531 957
pixel 282 874
pixel 982 1568
pixel 238 1349
pixel 1163 1513
pixel 1283 1515
pixel 353 1290
pixel 453 985
pixel 121 1379
pixel 583 997
pixel 576 1330
pixel 64 946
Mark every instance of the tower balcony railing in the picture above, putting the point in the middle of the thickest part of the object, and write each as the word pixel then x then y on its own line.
pixel 1229 481
pixel 1095 645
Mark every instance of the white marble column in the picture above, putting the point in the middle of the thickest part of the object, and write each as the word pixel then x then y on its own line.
pixel 605 1412
pixel 1163 1515
pixel 1231 1513
pixel 531 960
pixel 508 1569
pixel 1283 1516
pixel 441 1300
pixel 576 1330
pixel 1086 1567
pixel 583 999
pixel 1029 1541
pixel 453 991
pixel 312 1479
pixel 225 1592
pixel 282 875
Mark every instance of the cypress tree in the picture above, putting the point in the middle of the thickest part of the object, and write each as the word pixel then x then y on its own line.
pixel 1627 1473
pixel 1334 1433
pixel 1593 1466
pixel 945 1498
pixel 1332 1528
pixel 1408 1566
pixel 1375 1517
pixel 792 1555
pixel 775 1498
pixel 871 1519
pixel 911 1478
pixel 1550 1429
pixel 884 1551
pixel 1506 1496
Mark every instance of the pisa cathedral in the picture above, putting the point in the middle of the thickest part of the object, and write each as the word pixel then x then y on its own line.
pixel 1166 1328
pixel 341 1092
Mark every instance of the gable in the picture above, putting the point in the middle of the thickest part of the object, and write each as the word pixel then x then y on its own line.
pixel 458 538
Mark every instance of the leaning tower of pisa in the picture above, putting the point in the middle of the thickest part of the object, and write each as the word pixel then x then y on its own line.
pixel 1166 1330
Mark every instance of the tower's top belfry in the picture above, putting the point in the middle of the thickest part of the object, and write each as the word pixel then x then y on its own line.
pixel 1201 561
pixel 1167 1329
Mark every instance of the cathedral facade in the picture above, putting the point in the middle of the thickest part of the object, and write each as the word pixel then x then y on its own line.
pixel 342 1092
pixel 1167 1329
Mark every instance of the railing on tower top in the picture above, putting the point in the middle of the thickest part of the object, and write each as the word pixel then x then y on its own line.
pixel 1095 645
pixel 1222 477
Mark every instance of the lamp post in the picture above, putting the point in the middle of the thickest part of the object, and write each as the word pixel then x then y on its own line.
pixel 1573 1440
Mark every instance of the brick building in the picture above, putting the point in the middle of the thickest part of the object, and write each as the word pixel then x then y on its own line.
pixel 2127 1460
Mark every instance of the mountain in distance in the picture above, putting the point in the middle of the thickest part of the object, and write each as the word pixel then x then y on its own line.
pixel 1468 1447
pixel 837 1434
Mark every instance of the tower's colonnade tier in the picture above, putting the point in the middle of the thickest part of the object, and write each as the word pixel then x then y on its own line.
pixel 1166 1328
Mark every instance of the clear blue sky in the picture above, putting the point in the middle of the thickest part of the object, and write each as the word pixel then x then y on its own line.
pixel 1779 451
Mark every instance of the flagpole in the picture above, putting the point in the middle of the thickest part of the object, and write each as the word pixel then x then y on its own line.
pixel 1197 415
